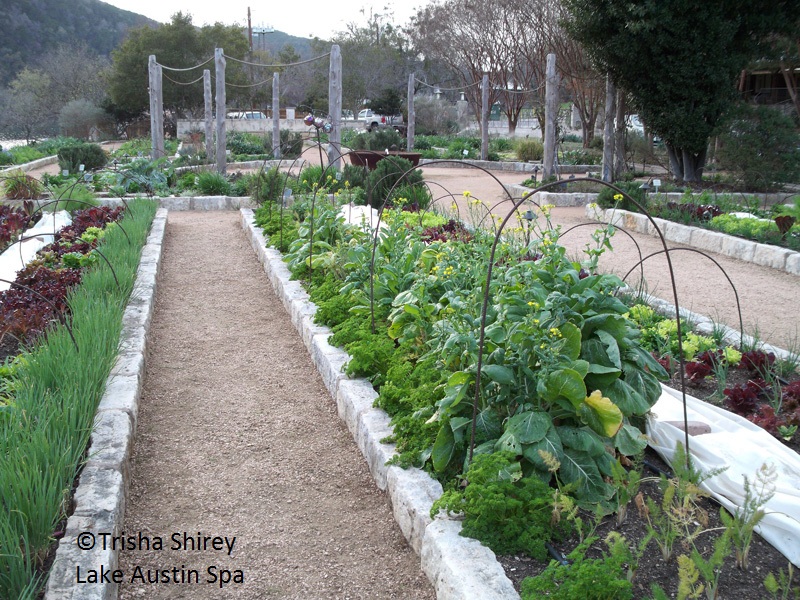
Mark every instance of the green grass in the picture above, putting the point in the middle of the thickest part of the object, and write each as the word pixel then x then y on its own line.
pixel 45 428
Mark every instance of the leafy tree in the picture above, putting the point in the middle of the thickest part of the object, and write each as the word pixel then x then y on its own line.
pixel 388 102
pixel 761 147
pixel 178 45
pixel 678 60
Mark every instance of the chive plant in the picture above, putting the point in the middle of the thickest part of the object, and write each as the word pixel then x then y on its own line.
pixel 45 427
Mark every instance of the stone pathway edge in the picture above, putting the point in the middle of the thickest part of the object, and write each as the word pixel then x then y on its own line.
pixel 99 499
pixel 459 568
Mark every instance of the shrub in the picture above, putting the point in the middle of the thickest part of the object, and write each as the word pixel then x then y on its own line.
pixel 605 199
pixel 355 175
pixel 596 143
pixel 20 186
pixel 268 186
pixel 79 117
pixel 530 150
pixel 241 183
pixel 213 184
pixel 762 147
pixel 500 144
pixel 6 158
pixel 91 156
pixel 379 140
pixel 464 148
pixel 386 174
pixel 246 143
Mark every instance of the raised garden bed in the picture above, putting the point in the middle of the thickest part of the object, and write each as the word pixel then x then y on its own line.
pixel 411 306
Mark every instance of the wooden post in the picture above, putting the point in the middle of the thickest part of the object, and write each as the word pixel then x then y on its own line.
pixel 208 114
pixel 159 112
pixel 550 118
pixel 156 109
pixel 219 64
pixel 335 108
pixel 485 117
pixel 608 131
pixel 411 114
pixel 276 116
pixel 151 72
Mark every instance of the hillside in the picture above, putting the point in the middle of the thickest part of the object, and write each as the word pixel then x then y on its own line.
pixel 31 28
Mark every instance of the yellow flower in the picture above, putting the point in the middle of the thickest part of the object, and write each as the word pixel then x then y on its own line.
pixel 467 193
pixel 618 197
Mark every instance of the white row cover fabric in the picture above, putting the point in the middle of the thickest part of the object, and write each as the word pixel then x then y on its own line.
pixel 365 216
pixel 742 447
pixel 37 237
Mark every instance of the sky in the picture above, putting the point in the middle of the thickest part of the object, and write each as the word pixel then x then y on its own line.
pixel 321 18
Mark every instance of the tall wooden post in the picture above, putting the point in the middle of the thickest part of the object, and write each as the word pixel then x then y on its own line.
pixel 276 116
pixel 335 108
pixel 208 114
pixel 219 64
pixel 485 117
pixel 550 118
pixel 608 131
pixel 412 115
pixel 156 109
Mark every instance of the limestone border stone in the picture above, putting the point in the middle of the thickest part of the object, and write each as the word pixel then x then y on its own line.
pixel 765 255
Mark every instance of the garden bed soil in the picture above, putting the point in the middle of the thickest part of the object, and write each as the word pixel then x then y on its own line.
pixel 652 569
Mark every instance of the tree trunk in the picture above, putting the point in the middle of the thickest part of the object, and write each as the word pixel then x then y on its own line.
pixel 686 166
pixel 619 136
pixel 608 131
pixel 512 125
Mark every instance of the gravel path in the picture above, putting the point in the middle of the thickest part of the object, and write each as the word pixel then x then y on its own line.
pixel 238 437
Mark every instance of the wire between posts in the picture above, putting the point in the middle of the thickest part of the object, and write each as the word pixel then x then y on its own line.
pixel 302 62
pixel 202 64
pixel 181 82
pixel 441 89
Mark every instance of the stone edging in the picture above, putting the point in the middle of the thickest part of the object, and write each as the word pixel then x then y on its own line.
pixel 764 255
pixel 34 164
pixel 458 567
pixel 100 497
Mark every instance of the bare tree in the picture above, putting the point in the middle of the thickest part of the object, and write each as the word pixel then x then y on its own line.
pixel 500 37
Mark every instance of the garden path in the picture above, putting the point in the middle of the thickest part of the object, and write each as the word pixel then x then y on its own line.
pixel 237 436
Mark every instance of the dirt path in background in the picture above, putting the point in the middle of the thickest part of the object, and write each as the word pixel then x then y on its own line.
pixel 237 436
